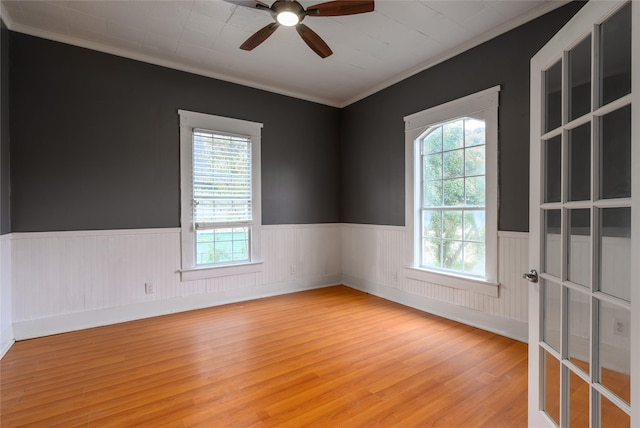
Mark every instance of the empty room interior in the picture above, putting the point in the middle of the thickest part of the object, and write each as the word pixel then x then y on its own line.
pixel 395 213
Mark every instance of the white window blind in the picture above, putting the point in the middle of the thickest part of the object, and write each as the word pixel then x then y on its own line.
pixel 221 179
pixel 220 196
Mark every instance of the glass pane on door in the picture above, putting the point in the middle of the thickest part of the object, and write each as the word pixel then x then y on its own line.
pixel 615 54
pixel 578 401
pixel 615 154
pixel 580 163
pixel 551 316
pixel 615 349
pixel 578 339
pixel 553 169
pixel 579 246
pixel 615 252
pixel 552 242
pixel 611 415
pixel 551 392
pixel 553 96
pixel 580 79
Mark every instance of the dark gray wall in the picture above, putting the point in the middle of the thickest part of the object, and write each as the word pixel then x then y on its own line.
pixel 372 132
pixel 5 180
pixel 95 141
pixel 94 137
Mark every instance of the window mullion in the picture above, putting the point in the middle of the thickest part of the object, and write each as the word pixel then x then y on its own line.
pixel 454 186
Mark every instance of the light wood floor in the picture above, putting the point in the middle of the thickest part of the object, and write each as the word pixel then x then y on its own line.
pixel 332 357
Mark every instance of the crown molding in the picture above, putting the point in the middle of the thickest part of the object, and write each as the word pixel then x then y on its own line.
pixel 150 59
pixel 482 38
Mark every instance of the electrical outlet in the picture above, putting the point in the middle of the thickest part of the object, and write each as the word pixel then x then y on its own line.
pixel 619 327
pixel 395 277
pixel 148 288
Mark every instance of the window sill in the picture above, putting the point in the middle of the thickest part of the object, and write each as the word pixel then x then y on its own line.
pixel 476 285
pixel 194 274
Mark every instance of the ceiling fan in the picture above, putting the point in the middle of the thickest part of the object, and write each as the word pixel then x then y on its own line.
pixel 291 13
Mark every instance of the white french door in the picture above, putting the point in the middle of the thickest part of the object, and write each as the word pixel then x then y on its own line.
pixel 584 325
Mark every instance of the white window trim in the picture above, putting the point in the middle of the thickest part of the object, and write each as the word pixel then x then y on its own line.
pixel 188 121
pixel 484 103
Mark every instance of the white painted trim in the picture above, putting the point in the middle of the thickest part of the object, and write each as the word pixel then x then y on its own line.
pixel 7 338
pixel 503 326
pixel 513 235
pixel 635 219
pixel 4 14
pixel 100 317
pixel 375 226
pixel 300 226
pixel 190 120
pixel 149 59
pixel 219 271
pixel 6 346
pixel 482 105
pixel 110 232
pixel 535 415
pixel 451 280
pixel 508 26
pixel 467 105
pixel 85 233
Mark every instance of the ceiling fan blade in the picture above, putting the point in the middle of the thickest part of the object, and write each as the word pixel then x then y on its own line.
pixel 313 40
pixel 259 36
pixel 341 7
pixel 254 4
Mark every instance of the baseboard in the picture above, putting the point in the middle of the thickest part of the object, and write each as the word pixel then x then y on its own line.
pixel 6 341
pixel 30 329
pixel 5 348
pixel 513 329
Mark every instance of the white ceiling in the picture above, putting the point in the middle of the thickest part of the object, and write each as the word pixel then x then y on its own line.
pixel 370 51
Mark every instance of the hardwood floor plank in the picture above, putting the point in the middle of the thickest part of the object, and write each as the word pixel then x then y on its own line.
pixel 321 358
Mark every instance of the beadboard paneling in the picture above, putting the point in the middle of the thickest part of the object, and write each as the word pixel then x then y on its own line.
pixel 68 280
pixel 373 260
pixel 74 276
pixel 6 313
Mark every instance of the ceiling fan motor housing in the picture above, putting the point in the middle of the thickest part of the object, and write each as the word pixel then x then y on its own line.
pixel 288 6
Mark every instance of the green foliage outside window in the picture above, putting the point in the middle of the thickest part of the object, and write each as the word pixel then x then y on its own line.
pixel 453 198
pixel 222 245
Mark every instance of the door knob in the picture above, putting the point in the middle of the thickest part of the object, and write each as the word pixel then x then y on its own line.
pixel 531 276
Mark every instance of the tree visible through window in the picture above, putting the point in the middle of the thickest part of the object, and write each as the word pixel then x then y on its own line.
pixel 453 200
pixel 221 197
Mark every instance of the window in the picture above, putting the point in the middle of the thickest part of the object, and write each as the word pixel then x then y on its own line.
pixel 452 200
pixel 452 193
pixel 220 188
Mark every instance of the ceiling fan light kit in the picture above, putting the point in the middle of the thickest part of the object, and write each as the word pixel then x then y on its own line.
pixel 290 13
pixel 288 19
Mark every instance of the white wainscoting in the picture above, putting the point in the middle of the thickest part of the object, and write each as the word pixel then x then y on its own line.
pixel 372 261
pixel 6 314
pixel 64 281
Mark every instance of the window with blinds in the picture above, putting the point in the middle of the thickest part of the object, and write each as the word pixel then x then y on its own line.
pixel 222 197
